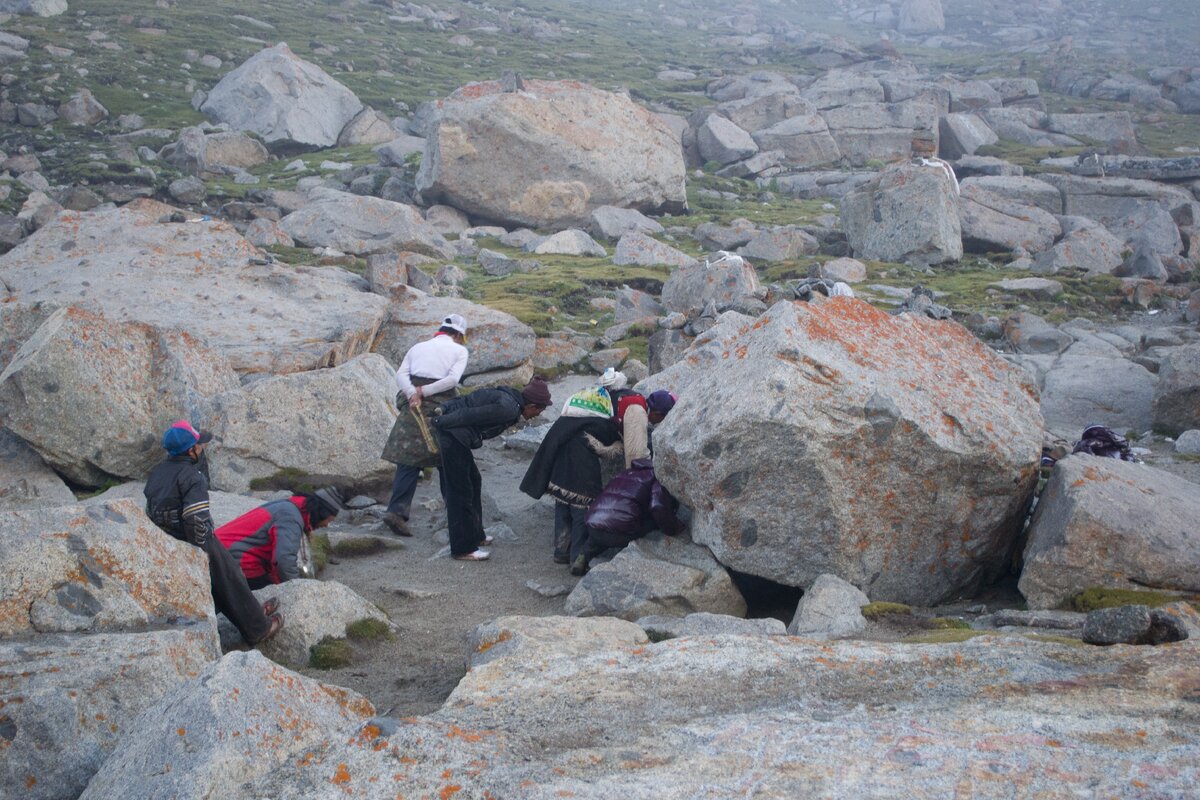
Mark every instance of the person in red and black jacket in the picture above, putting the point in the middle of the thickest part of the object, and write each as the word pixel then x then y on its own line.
pixel 266 542
pixel 631 505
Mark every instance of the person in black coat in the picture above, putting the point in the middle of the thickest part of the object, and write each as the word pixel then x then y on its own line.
pixel 631 505
pixel 177 501
pixel 462 424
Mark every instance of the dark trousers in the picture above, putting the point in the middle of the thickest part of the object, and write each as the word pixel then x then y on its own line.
pixel 261 582
pixel 570 531
pixel 598 541
pixel 462 491
pixel 404 486
pixel 231 592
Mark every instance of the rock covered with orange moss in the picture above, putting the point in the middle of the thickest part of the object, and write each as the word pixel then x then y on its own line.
pixel 896 452
pixel 243 717
pixel 101 614
pixel 549 155
pixel 1116 524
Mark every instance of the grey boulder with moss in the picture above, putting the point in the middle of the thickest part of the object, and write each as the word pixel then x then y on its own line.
pixel 1103 522
pixel 363 225
pixel 1177 395
pixel 906 213
pixel 550 155
pixel 289 102
pixel 313 610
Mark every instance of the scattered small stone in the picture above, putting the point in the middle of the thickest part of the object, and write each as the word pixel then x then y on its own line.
pixel 546 589
pixel 410 593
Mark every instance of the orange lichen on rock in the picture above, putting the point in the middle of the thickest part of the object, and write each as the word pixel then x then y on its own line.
pixel 341 775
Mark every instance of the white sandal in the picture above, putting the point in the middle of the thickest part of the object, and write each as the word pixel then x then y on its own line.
pixel 474 555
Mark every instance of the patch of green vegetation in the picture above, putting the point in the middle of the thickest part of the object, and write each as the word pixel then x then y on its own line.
pixel 950 636
pixel 369 629
pixel 99 490
pixel 1097 597
pixel 880 609
pixel 1029 157
pixel 949 623
pixel 330 653
pixel 359 546
pixel 321 548
pixel 283 479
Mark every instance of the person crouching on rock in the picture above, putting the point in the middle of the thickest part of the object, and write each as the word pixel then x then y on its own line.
pixel 462 424
pixel 271 542
pixel 567 466
pixel 177 501
pixel 428 376
pixel 631 505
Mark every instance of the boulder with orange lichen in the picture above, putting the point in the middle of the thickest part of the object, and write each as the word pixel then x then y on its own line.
pixel 1114 524
pixel 101 613
pixel 549 155
pixel 896 452
pixel 242 718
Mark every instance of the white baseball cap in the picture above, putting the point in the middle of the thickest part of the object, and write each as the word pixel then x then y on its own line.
pixel 455 322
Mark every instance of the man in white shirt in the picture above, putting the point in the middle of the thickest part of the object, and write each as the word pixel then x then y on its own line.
pixel 428 376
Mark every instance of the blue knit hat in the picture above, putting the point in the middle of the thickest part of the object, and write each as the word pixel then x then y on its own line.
pixel 181 437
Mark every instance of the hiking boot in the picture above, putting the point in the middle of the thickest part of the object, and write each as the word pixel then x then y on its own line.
pixel 486 540
pixel 271 606
pixel 559 558
pixel 474 555
pixel 397 523
pixel 580 565
pixel 276 627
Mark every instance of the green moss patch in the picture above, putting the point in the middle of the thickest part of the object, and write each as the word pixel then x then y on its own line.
pixel 358 546
pixel 320 551
pixel 369 629
pixel 879 610
pixel 1096 597
pixel 949 624
pixel 330 653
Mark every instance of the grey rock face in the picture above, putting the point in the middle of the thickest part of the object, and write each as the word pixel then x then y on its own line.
pixel 1134 625
pixel 128 266
pixel 571 242
pixel 188 190
pixel 723 281
pixel 396 151
pixel 638 248
pixel 1085 245
pixel 83 109
pixel 921 16
pixel 994 223
pixel 705 624
pixel 609 222
pixel 549 156
pixel 830 609
pixel 34 8
pixel 803 139
pixel 1027 191
pixel 724 142
pixel 1177 396
pixel 92 396
pixel 367 127
pixel 337 418
pixel 757 113
pixel 847 270
pixel 906 212
pixel 354 224
pixel 784 243
pixel 286 100
pixel 656 575
pixel 1188 443
pixel 195 728
pixel 1080 389
pixel 833 406
pixel 1113 128
pixel 842 87
pixel 962 134
pixel 1105 522
pixel 882 131
pixel 25 480
pixel 496 340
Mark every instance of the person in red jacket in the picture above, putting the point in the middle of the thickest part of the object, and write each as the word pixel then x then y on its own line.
pixel 267 541
pixel 631 505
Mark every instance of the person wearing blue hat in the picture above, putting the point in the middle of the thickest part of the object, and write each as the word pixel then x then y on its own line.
pixel 177 501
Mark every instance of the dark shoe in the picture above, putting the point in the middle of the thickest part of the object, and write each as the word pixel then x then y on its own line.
pixel 487 540
pixel 474 555
pixel 397 523
pixel 271 606
pixel 276 627
pixel 561 559
pixel 579 566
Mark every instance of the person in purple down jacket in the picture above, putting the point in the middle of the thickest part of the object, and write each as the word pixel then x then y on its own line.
pixel 631 505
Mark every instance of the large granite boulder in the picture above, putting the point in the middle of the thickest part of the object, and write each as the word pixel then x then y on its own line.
pixel 1078 390
pixel 92 396
pixel 638 248
pixel 101 614
pixel 657 575
pixel 549 155
pixel 962 134
pixel 860 415
pixel 496 340
pixel 1110 523
pixel 1026 191
pixel 723 281
pixel 241 719
pixel 286 100
pixel 883 131
pixel 209 154
pixel 803 139
pixel 601 714
pixel 25 480
pixel 131 264
pixel 1112 128
pixel 841 87
pixel 906 213
pixel 1177 395
pixel 83 109
pixel 830 609
pixel 1085 245
pixel 1133 210
pixel 724 142
pixel 367 127
pixel 763 111
pixel 355 224
pixel 993 223
pixel 332 421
